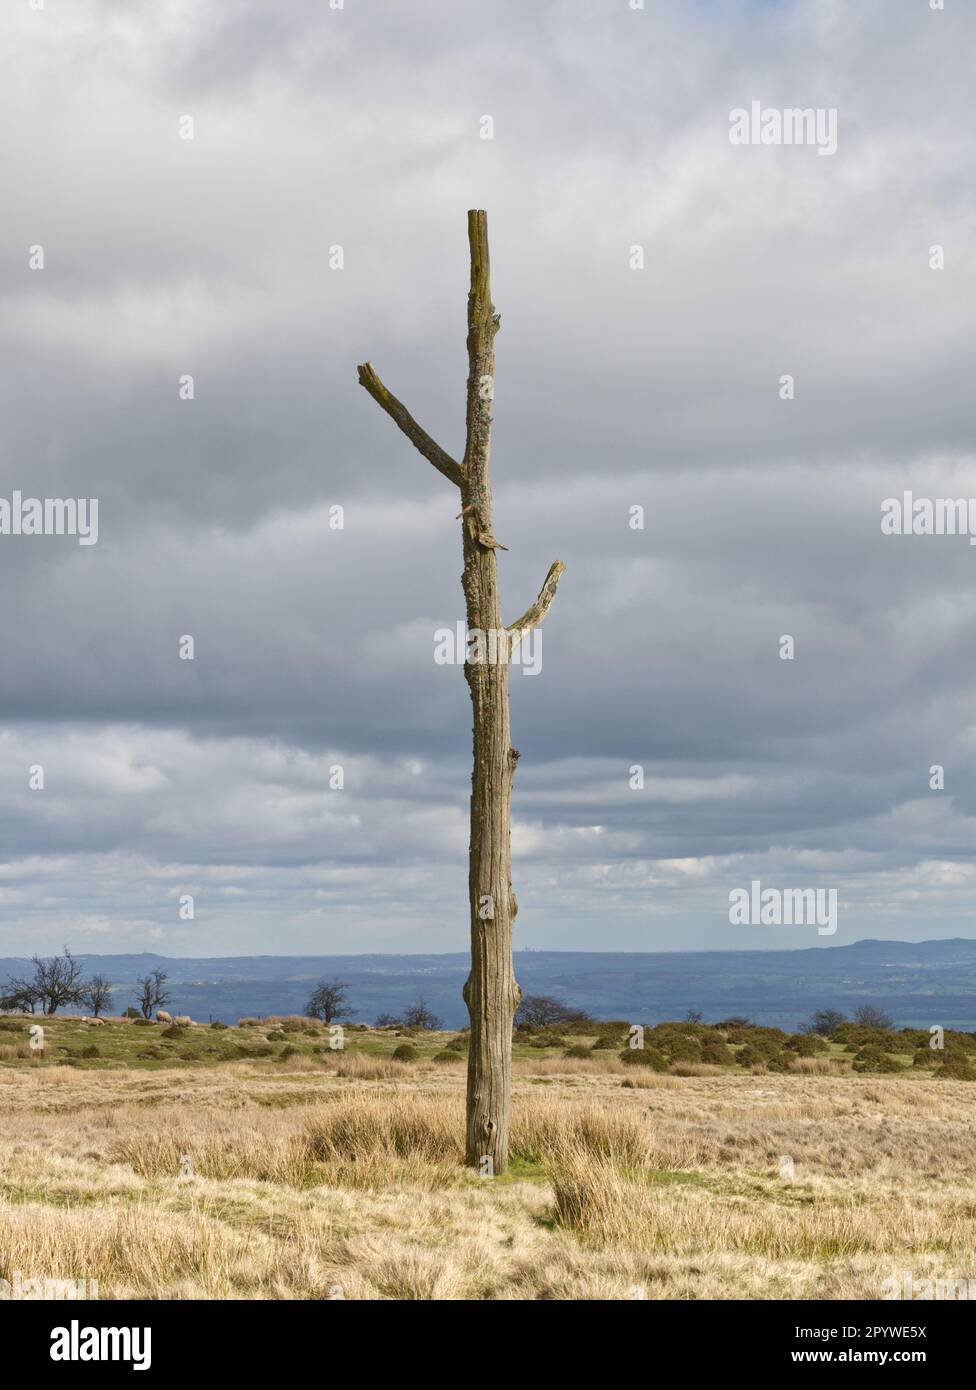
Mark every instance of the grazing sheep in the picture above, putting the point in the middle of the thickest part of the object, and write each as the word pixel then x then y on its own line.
pixel 182 1020
pixel 163 1017
pixel 94 1022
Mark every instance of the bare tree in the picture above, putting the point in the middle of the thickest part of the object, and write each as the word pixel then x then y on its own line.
pixel 56 982
pixel 152 992
pixel 19 997
pixel 491 992
pixel 97 995
pixel 542 1011
pixel 824 1022
pixel 328 1001
pixel 419 1016
pixel 870 1016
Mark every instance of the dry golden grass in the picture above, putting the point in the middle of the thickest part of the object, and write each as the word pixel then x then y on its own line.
pixel 821 1066
pixel 346 1181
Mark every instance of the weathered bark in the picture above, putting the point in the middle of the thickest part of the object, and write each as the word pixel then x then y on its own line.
pixel 491 992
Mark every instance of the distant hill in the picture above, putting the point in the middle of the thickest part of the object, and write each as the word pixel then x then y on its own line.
pixel 919 983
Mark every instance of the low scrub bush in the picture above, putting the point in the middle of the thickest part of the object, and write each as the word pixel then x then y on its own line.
pixel 956 1066
pixel 927 1057
pixel 872 1058
pixel 780 1061
pixel 644 1057
pixel 856 1035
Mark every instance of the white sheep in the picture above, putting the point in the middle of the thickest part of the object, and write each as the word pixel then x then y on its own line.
pixel 163 1017
pixel 94 1022
pixel 183 1020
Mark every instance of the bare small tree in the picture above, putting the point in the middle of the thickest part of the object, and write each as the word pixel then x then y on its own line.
pixel 56 982
pixel 542 1011
pixel 328 1002
pixel 97 995
pixel 870 1016
pixel 151 992
pixel 420 1016
pixel 825 1022
pixel 491 992
pixel 19 998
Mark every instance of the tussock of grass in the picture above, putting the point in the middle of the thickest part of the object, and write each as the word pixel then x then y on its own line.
pixel 214 1152
pixel 359 1066
pixel 363 1140
pixel 821 1066
pixel 606 1207
pixel 137 1249
pixel 647 1080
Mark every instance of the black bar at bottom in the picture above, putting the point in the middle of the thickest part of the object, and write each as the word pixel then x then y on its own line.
pixel 62 1340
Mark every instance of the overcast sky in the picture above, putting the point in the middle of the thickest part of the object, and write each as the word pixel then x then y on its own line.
pixel 616 387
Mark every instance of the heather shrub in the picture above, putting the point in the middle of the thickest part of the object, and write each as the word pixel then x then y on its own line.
pixel 872 1058
pixel 956 1067
pixel 644 1057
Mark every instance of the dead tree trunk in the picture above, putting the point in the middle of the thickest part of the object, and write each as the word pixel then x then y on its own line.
pixel 491 992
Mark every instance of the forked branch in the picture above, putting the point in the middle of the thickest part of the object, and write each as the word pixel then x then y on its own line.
pixel 401 416
pixel 533 616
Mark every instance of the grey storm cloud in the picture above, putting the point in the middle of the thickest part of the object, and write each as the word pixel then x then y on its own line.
pixel 615 388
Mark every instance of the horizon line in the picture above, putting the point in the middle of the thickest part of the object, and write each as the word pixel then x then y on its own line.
pixel 536 950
